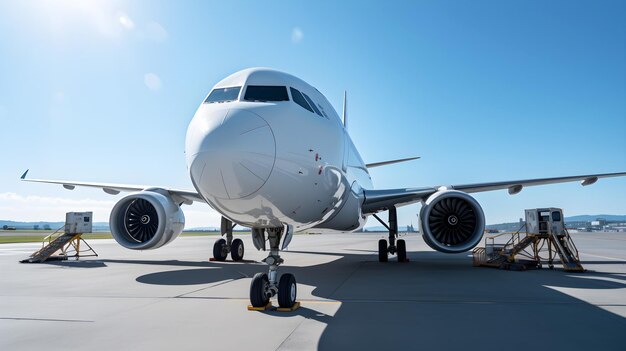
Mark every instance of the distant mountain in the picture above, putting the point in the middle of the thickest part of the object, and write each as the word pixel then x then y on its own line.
pixel 215 229
pixel 589 218
pixel 30 225
pixel 104 226
pixel 97 226
pixel 513 226
pixel 575 220
pixel 378 229
pixel 42 225
pixel 202 229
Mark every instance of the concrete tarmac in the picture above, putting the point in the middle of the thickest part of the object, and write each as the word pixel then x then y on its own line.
pixel 173 298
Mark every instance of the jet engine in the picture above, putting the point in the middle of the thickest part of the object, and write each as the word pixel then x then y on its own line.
pixel 452 221
pixel 146 220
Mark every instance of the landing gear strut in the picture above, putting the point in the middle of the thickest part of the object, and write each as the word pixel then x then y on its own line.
pixel 265 286
pixel 397 247
pixel 222 247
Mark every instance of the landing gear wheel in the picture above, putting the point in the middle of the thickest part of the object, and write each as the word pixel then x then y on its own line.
pixel 401 246
pixel 382 251
pixel 258 290
pixel 219 252
pixel 236 250
pixel 287 290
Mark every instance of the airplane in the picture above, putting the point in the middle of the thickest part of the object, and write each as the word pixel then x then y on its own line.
pixel 268 151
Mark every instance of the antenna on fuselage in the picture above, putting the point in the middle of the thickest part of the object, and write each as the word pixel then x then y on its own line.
pixel 345 110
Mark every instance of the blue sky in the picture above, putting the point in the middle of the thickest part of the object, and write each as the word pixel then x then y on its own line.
pixel 481 90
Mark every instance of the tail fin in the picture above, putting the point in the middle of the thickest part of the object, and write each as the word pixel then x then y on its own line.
pixel 345 109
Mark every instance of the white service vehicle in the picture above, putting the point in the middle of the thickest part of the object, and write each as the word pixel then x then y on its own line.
pixel 268 151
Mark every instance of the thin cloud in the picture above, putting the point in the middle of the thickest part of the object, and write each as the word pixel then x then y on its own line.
pixel 42 208
pixel 297 35
pixel 152 81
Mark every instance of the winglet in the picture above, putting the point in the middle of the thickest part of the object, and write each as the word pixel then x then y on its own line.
pixel 24 175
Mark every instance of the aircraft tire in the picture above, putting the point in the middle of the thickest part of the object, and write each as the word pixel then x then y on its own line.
pixel 218 252
pixel 382 251
pixel 258 288
pixel 236 250
pixel 287 290
pixel 401 246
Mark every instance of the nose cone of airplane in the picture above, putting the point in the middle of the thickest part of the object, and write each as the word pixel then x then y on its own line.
pixel 234 158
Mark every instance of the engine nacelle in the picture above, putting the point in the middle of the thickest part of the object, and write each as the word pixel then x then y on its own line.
pixel 146 220
pixel 452 221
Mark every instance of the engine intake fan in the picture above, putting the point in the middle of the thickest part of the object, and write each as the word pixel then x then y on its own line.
pixel 146 220
pixel 452 221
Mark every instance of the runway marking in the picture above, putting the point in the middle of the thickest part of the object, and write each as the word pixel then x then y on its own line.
pixel 239 299
pixel 47 320
pixel 421 301
pixel 207 287
pixel 327 302
pixel 605 257
pixel 291 333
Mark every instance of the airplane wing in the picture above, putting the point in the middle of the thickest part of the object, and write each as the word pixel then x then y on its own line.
pixel 185 196
pixel 380 200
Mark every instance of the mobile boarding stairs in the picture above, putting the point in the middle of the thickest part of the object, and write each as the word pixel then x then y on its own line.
pixel 544 233
pixel 66 239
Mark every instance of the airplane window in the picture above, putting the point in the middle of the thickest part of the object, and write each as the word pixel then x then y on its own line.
pixel 223 94
pixel 266 93
pixel 308 99
pixel 322 110
pixel 299 99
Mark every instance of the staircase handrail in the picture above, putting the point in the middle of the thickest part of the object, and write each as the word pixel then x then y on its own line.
pixel 49 238
pixel 510 241
pixel 570 244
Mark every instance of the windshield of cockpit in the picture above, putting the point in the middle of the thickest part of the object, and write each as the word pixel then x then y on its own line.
pixel 223 95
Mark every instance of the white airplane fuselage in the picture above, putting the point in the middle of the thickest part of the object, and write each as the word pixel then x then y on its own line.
pixel 268 163
pixel 268 151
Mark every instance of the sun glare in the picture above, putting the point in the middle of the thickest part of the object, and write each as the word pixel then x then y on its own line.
pixel 101 16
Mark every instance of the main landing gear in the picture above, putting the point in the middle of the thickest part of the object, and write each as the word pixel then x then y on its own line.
pixel 266 285
pixel 397 247
pixel 222 247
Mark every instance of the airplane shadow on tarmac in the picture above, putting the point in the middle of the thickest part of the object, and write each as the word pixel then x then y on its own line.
pixel 437 301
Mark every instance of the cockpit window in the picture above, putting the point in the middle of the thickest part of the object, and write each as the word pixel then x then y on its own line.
pixel 266 93
pixel 299 99
pixel 308 99
pixel 223 94
pixel 322 110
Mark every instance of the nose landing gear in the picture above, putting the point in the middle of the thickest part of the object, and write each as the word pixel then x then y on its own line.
pixel 265 286
pixel 397 247
pixel 222 247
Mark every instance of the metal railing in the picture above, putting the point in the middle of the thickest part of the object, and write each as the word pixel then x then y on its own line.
pixel 52 237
